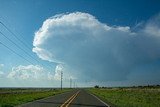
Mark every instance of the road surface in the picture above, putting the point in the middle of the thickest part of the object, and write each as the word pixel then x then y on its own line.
pixel 75 98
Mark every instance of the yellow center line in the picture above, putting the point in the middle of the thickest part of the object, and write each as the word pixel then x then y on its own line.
pixel 66 102
pixel 72 99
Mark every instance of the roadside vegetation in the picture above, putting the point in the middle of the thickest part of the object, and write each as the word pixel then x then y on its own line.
pixel 147 96
pixel 11 97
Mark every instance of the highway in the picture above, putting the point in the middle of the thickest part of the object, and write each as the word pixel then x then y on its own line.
pixel 75 98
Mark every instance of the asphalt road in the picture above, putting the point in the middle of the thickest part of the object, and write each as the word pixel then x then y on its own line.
pixel 75 98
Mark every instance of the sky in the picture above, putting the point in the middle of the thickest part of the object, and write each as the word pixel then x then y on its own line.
pixel 93 42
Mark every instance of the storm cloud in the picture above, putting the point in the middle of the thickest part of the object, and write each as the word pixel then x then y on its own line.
pixel 94 51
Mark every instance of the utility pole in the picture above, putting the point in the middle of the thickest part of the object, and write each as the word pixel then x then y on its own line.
pixel 70 82
pixel 61 79
pixel 74 84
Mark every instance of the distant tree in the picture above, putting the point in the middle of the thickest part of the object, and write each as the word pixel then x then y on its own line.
pixel 96 86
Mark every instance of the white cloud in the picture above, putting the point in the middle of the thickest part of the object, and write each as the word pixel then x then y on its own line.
pixel 93 50
pixel 28 76
pixel 28 72
pixel 58 71
pixel 43 54
pixel 1 74
pixel 50 76
pixel 1 65
pixel 123 29
pixel 66 30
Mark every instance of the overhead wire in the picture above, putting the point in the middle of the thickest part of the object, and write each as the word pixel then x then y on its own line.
pixel 14 35
pixel 16 45
pixel 15 52
pixel 18 40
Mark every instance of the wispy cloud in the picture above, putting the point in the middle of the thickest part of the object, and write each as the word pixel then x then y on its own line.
pixel 153 26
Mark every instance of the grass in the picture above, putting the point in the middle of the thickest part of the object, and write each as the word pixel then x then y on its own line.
pixel 129 97
pixel 13 97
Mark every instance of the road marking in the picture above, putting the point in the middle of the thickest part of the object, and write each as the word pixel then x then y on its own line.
pixel 69 100
pixel 100 100
pixel 72 99
pixel 25 104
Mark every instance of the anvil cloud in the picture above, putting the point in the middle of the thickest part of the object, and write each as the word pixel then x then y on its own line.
pixel 94 51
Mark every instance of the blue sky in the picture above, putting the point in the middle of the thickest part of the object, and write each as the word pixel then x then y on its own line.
pixel 121 55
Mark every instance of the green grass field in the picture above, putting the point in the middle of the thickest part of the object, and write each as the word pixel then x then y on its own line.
pixel 13 97
pixel 129 97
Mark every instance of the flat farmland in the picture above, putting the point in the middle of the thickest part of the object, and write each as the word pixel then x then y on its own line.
pixel 10 97
pixel 129 97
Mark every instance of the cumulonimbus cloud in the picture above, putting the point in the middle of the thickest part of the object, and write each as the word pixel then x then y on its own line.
pixel 92 50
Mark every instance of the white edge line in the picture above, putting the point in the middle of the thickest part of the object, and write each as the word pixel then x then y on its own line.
pixel 100 100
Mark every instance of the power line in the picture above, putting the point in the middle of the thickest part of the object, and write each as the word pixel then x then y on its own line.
pixel 15 53
pixel 19 47
pixel 16 45
pixel 14 35
pixel 18 40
